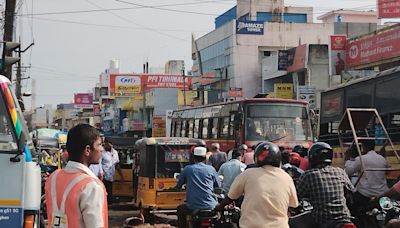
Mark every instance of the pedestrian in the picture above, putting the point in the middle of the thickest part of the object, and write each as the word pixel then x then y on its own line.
pixel 75 197
pixel 109 163
pixel 231 169
pixel 248 156
pixel 217 158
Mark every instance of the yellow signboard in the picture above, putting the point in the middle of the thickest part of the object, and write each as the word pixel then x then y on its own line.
pixel 283 90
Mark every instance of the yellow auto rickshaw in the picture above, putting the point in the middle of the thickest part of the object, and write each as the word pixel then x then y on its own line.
pixel 160 161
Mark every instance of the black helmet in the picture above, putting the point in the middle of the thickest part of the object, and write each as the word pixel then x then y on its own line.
pixel 320 153
pixel 300 150
pixel 267 153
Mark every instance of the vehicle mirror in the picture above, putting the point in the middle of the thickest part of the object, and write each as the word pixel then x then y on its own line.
pixel 176 176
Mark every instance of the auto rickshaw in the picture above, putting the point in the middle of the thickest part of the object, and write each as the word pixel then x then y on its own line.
pixel 160 161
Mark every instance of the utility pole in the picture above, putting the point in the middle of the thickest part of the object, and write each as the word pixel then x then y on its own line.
pixel 145 71
pixel 9 31
pixel 184 85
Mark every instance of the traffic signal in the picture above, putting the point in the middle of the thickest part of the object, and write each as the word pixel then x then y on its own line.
pixel 7 58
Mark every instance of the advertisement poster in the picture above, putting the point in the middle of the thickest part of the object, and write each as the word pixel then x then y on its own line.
pixel 122 85
pixel 388 8
pixel 283 60
pixel 331 105
pixel 250 27
pixel 11 217
pixel 307 93
pixel 158 129
pixel 96 110
pixel 384 45
pixel 83 100
pixel 283 90
pixel 167 81
pixel 337 54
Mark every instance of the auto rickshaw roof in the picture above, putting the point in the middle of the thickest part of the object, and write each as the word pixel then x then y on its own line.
pixel 170 141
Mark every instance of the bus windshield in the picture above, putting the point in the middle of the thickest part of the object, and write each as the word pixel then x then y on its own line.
pixel 273 122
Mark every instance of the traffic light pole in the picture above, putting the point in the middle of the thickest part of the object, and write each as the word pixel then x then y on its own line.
pixel 8 32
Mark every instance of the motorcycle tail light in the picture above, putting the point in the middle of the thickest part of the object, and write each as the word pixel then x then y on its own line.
pixel 205 223
pixel 349 225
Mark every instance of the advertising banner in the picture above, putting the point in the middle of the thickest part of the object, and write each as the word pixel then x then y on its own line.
pixel 122 85
pixel 158 126
pixel 83 100
pixel 282 60
pixel 388 8
pixel 250 27
pixel 96 110
pixel 307 93
pixel 283 90
pixel 235 92
pixel 167 81
pixel 337 54
pixel 297 58
pixel 384 45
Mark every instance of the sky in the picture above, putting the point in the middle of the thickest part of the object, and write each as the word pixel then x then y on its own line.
pixel 76 39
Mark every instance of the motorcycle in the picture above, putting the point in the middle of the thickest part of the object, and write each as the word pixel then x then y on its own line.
pixel 306 208
pixel 228 218
pixel 386 210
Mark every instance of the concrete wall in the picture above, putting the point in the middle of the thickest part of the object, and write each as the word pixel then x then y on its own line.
pixel 354 29
pixel 165 99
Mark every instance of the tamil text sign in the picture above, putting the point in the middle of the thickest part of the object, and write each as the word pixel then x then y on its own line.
pixel 388 8
pixel 250 27
pixel 83 100
pixel 384 45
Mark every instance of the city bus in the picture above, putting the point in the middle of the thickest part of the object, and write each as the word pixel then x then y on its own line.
pixel 21 191
pixel 285 122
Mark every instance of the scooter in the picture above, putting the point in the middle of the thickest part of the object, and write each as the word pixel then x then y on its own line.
pixel 387 210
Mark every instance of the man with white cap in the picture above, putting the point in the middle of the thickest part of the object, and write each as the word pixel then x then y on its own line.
pixel 200 180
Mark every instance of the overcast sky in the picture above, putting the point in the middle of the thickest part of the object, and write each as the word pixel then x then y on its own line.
pixel 71 49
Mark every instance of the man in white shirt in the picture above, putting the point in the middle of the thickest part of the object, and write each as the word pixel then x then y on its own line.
pixel 231 169
pixel 109 162
pixel 372 183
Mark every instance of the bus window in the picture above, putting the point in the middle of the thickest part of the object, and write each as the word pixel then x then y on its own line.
pixel 231 127
pixel 196 129
pixel 205 129
pixel 214 129
pixel 7 138
pixel 177 132
pixel 190 131
pixel 224 128
pixel 187 129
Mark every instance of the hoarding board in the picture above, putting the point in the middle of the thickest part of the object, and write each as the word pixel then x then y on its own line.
pixel 122 85
pixel 235 92
pixel 167 81
pixel 83 100
pixel 384 45
pixel 250 27
pixel 337 54
pixel 388 8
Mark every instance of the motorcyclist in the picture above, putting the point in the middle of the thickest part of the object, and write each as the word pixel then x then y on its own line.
pixel 265 202
pixel 200 180
pixel 324 186
pixel 302 151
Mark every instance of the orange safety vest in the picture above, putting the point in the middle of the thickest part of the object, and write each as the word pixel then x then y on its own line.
pixel 62 199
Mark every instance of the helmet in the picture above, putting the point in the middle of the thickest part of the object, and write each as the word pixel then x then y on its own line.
pixel 267 153
pixel 243 147
pixel 320 153
pixel 301 150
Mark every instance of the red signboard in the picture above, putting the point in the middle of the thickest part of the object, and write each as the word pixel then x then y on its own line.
pixel 235 92
pixel 83 100
pixel 388 8
pixel 167 81
pixel 384 45
pixel 297 58
pixel 96 110
pixel 338 42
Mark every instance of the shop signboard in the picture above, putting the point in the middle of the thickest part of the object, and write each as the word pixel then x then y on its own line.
pixel 123 85
pixel 283 90
pixel 167 81
pixel 235 92
pixel 282 60
pixel 307 93
pixel 337 54
pixel 382 46
pixel 158 129
pixel 83 100
pixel 250 27
pixel 388 8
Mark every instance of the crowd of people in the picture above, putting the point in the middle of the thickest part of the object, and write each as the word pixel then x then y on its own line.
pixel 255 177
